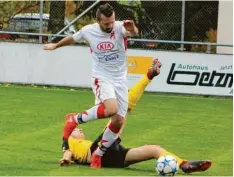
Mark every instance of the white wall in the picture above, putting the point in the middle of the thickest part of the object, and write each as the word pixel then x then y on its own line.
pixel 28 63
pixel 225 26
pixel 207 74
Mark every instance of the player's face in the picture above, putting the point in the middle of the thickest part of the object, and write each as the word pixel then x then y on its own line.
pixel 78 134
pixel 107 23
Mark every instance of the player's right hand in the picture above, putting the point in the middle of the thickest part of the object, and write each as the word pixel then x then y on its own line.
pixel 50 46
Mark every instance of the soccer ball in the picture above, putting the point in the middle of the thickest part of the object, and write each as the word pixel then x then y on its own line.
pixel 167 166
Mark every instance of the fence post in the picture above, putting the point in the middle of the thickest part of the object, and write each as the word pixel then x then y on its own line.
pixel 182 24
pixel 50 38
pixel 208 49
pixel 41 21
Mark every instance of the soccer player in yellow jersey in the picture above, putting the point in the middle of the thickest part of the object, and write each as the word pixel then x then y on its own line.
pixel 80 149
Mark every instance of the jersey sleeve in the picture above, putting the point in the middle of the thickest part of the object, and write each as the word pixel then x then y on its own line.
pixel 79 36
pixel 121 28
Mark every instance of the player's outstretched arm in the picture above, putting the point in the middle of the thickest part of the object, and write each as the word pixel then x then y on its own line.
pixel 67 157
pixel 68 40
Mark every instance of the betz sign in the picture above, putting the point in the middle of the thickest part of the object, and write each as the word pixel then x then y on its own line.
pixel 201 78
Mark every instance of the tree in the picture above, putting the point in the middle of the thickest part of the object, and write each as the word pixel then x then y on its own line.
pixel 11 8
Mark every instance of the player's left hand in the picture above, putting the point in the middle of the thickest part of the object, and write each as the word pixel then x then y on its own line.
pixel 129 25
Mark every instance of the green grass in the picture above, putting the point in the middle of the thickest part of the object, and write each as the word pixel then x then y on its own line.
pixel 31 121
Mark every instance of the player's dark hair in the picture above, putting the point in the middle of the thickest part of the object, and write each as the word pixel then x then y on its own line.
pixel 105 9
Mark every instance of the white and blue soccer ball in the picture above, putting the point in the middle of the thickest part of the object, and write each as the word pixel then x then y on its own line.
pixel 167 165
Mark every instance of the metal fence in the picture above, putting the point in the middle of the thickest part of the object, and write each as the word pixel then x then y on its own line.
pixel 165 25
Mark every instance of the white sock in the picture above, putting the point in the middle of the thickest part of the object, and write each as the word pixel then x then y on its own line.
pixel 108 139
pixel 93 113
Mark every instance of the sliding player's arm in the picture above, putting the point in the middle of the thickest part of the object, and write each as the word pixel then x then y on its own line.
pixel 67 158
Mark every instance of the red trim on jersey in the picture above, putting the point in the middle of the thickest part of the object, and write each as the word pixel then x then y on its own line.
pixel 112 35
pixel 125 43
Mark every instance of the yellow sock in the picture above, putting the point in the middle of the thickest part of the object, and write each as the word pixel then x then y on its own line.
pixel 136 92
pixel 179 160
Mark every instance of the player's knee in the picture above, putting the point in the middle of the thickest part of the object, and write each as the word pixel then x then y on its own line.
pixel 111 107
pixel 157 147
pixel 111 111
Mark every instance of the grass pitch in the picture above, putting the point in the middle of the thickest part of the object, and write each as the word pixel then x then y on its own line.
pixel 31 121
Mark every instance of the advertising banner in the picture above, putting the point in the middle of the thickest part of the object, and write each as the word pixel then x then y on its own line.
pixel 181 72
pixel 187 73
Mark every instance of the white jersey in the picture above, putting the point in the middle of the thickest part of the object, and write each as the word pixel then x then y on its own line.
pixel 108 50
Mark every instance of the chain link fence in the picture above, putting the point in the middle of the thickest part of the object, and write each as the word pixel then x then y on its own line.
pixel 161 20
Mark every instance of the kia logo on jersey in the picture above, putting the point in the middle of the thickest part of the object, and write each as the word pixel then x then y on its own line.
pixel 105 46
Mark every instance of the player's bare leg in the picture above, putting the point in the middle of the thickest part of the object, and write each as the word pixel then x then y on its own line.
pixel 143 153
pixel 147 152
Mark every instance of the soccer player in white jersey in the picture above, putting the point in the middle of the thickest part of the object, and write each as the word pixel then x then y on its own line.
pixel 107 40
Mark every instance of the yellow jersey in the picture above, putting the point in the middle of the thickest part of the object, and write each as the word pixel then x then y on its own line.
pixel 79 149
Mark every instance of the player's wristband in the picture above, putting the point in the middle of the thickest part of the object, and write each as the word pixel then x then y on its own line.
pixel 65 145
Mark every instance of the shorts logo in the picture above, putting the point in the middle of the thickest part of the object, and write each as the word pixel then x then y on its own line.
pixel 105 46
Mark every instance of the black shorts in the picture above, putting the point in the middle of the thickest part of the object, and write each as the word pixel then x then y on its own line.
pixel 115 155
